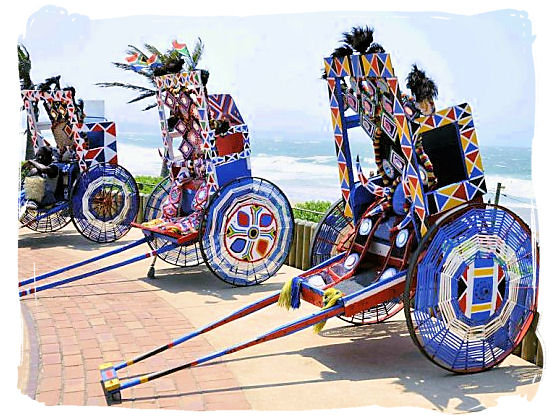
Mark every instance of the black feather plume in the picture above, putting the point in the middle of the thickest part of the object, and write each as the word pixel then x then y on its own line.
pixel 47 84
pixel 421 86
pixel 342 51
pixel 205 75
pixel 170 68
pixel 375 49
pixel 359 38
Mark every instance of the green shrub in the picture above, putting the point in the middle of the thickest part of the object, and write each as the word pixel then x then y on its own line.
pixel 312 210
pixel 146 184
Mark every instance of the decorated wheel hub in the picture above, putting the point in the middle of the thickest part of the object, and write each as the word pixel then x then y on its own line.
pixel 106 203
pixel 481 289
pixel 478 286
pixel 251 232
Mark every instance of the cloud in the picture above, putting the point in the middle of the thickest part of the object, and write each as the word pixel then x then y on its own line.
pixel 53 33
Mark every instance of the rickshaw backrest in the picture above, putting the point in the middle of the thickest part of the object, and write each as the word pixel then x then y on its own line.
pixel 223 107
pixel 100 138
pixel 374 87
pixel 233 147
pixel 31 97
pixel 93 142
pixel 450 140
pixel 226 156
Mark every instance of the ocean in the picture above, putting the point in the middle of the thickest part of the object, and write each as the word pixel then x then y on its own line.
pixel 305 168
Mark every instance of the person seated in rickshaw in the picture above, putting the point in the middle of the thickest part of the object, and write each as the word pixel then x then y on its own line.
pixel 41 183
pixel 67 153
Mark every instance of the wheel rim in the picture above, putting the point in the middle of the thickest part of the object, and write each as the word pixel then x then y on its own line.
pixel 105 200
pixel 247 231
pixel 472 288
pixel 182 256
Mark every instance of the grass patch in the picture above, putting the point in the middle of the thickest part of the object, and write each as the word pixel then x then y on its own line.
pixel 146 184
pixel 312 210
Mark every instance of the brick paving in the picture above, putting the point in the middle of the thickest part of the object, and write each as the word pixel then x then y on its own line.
pixel 109 318
pixel 71 330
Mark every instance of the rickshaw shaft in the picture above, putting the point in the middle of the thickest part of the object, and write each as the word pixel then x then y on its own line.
pixel 254 307
pixel 98 271
pixel 83 263
pixel 282 331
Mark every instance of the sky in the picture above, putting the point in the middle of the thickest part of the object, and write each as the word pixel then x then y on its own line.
pixel 271 64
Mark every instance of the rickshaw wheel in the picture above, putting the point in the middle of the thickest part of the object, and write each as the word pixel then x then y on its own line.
pixel 51 223
pixel 182 256
pixel 471 289
pixel 331 231
pixel 376 314
pixel 246 231
pixel 104 201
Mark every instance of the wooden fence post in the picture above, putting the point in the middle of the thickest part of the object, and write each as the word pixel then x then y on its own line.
pixel 291 259
pixel 306 243
pixel 142 200
pixel 299 226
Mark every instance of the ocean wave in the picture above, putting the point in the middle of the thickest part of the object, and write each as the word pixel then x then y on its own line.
pixel 512 187
pixel 319 159
pixel 139 160
pixel 316 177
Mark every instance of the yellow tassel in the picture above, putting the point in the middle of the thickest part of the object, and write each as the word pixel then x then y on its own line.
pixel 330 298
pixel 286 295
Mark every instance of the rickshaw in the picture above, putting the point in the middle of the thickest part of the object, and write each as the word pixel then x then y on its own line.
pixel 209 208
pixel 93 191
pixel 465 271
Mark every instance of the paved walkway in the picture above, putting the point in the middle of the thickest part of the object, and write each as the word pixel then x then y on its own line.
pixel 73 329
pixel 108 318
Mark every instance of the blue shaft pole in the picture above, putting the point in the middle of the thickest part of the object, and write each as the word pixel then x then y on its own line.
pixel 98 271
pixel 82 263
pixel 282 331
pixel 247 310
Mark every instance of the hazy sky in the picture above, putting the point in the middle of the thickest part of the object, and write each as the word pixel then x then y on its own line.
pixel 271 64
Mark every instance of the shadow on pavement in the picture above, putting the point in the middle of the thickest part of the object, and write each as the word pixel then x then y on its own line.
pixel 385 351
pixel 201 280
pixel 198 280
pixel 69 238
